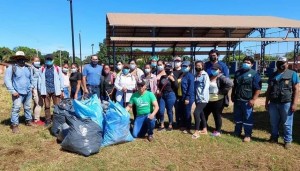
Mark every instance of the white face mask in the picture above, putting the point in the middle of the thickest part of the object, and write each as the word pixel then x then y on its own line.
pixel 132 66
pixel 177 64
pixel 73 70
pixel 160 68
pixel 147 70
pixel 65 70
pixel 119 67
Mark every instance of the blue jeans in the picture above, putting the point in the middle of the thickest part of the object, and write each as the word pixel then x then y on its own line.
pixel 24 99
pixel 243 117
pixel 281 112
pixel 143 125
pixel 167 101
pixel 66 93
pixel 79 94
pixel 93 90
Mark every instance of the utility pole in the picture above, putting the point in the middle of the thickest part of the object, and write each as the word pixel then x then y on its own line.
pixel 92 49
pixel 80 51
pixel 72 29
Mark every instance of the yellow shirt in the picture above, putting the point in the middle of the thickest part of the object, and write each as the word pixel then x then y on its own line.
pixel 179 91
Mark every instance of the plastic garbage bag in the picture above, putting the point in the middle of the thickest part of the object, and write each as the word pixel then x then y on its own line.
pixel 116 125
pixel 104 105
pixel 63 132
pixel 84 136
pixel 90 108
pixel 61 111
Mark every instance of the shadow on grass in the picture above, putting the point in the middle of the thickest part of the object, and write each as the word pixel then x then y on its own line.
pixel 21 120
pixel 262 122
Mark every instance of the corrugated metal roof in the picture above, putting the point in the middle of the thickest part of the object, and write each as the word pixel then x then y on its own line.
pixel 221 21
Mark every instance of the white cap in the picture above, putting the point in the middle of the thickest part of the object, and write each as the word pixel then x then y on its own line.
pixel 283 59
pixel 20 53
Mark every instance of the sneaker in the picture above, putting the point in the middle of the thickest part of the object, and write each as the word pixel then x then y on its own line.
pixel 150 138
pixel 161 129
pixel 216 134
pixel 48 123
pixel 39 123
pixel 247 139
pixel 186 131
pixel 28 123
pixel 14 128
pixel 287 145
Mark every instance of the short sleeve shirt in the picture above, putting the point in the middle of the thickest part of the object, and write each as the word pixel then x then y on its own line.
pixel 93 74
pixel 144 102
pixel 295 78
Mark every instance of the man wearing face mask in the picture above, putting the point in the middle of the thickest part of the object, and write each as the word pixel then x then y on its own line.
pixel 281 101
pixel 177 73
pixel 213 59
pixel 51 86
pixel 246 89
pixel 91 77
pixel 36 94
pixel 18 80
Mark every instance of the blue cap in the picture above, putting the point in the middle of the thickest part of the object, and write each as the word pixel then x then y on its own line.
pixel 186 63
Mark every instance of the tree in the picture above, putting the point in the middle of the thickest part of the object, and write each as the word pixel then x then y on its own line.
pixel 5 54
pixel 60 56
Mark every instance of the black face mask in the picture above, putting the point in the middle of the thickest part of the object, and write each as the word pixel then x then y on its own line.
pixel 94 63
pixel 168 72
pixel 280 65
pixel 212 58
pixel 21 62
pixel 198 69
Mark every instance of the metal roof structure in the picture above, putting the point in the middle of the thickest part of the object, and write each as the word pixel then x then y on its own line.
pixel 172 30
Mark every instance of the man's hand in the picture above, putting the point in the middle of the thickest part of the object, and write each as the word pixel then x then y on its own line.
pixel 124 89
pixel 267 106
pixel 75 96
pixel 62 95
pixel 86 91
pixel 186 102
pixel 232 99
pixel 171 77
pixel 293 107
pixel 251 102
pixel 16 94
pixel 151 116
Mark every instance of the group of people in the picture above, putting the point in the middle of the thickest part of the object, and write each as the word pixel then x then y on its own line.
pixel 158 87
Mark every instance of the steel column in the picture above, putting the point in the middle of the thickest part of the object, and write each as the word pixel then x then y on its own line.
pixel 114 48
pixel 153 43
pixel 296 45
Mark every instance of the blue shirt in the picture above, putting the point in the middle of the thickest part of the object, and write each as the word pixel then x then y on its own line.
pixel 20 81
pixel 187 87
pixel 49 75
pixel 92 74
pixel 295 78
pixel 224 68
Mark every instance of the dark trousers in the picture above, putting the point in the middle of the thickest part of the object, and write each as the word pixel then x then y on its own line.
pixel 47 102
pixel 185 114
pixel 216 109
pixel 199 115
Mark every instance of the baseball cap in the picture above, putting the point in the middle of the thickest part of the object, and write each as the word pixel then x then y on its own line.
pixel 177 58
pixel 49 56
pixel 186 63
pixel 282 59
pixel 216 67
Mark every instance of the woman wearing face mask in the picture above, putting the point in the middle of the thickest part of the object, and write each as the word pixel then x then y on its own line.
pixel 119 67
pixel 135 71
pixel 125 84
pixel 153 63
pixel 177 73
pixel 201 98
pixel 219 87
pixel 65 71
pixel 107 85
pixel 75 81
pixel 167 85
pixel 37 98
pixel 187 97
pixel 150 79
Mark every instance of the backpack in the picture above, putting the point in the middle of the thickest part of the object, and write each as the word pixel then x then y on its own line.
pixel 14 70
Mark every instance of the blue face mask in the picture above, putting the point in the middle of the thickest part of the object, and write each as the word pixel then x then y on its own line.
pixel 125 71
pixel 246 66
pixel 214 72
pixel 49 62
pixel 185 69
pixel 153 64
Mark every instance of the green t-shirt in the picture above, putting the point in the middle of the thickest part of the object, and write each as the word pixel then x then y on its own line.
pixel 143 102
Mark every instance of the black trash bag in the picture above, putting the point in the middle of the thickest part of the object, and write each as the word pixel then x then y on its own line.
pixel 63 132
pixel 84 137
pixel 61 111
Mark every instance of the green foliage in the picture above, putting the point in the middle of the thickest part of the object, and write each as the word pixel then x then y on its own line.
pixel 5 54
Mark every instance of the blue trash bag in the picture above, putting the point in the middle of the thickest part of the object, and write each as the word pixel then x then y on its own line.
pixel 61 111
pixel 84 136
pixel 90 108
pixel 116 125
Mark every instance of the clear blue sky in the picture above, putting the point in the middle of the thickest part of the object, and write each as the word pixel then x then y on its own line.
pixel 45 24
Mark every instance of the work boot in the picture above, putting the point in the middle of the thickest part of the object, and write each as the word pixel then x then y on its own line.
pixel 14 128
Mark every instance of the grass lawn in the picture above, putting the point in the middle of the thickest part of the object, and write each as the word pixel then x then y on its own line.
pixel 35 149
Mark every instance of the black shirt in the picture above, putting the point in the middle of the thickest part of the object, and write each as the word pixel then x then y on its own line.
pixel 74 77
pixel 108 83
pixel 169 85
